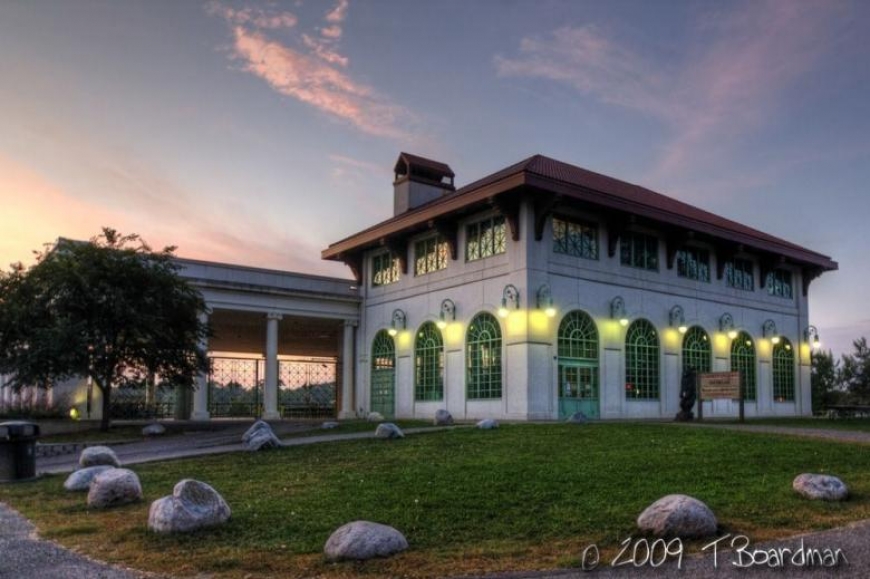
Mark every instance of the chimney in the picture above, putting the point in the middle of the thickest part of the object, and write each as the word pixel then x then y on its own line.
pixel 419 181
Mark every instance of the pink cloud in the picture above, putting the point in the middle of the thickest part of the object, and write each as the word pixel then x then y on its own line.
pixel 323 52
pixel 339 13
pixel 253 16
pixel 331 32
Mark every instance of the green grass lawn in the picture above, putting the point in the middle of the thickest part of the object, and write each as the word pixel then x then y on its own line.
pixel 469 501
pixel 860 424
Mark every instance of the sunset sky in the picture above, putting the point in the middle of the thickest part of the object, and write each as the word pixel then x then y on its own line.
pixel 260 132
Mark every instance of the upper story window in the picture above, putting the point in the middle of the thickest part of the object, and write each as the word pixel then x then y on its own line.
pixel 778 283
pixel 485 238
pixel 430 255
pixel 575 238
pixel 739 274
pixel 693 263
pixel 639 250
pixel 385 269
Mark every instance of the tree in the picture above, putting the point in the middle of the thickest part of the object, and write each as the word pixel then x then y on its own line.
pixel 824 380
pixel 110 309
pixel 856 371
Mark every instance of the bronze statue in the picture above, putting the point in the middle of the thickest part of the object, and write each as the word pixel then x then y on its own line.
pixel 688 396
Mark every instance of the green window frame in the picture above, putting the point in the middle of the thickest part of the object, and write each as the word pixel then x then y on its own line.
pixel 483 358
pixel 385 269
pixel 783 371
pixel 697 351
pixel 779 283
pixel 485 238
pixel 578 337
pixel 430 255
pixel 575 238
pixel 693 263
pixel 429 363
pixel 383 374
pixel 740 274
pixel 743 361
pixel 641 361
pixel 639 250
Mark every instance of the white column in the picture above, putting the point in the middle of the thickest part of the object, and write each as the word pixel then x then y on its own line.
pixel 270 385
pixel 200 395
pixel 347 361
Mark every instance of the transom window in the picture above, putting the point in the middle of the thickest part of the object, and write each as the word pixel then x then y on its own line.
pixel 641 361
pixel 743 361
pixel 578 337
pixel 575 238
pixel 485 238
pixel 739 274
pixel 385 269
pixel 429 363
pixel 483 357
pixel 697 352
pixel 783 371
pixel 430 255
pixel 778 283
pixel 693 263
pixel 639 250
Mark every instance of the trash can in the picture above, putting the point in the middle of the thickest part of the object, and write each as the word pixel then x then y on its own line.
pixel 18 450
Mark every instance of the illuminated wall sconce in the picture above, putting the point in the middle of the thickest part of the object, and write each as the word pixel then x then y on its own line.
pixel 447 315
pixel 545 300
pixel 812 335
pixel 678 319
pixel 617 310
pixel 398 322
pixel 726 324
pixel 769 331
pixel 510 300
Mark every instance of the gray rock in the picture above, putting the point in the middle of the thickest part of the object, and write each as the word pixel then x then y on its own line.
pixel 192 505
pixel 577 418
pixel 260 436
pixel 329 425
pixel 820 487
pixel 388 430
pixel 155 429
pixel 97 455
pixel 362 540
pixel 116 486
pixel 678 516
pixel 487 424
pixel 81 479
pixel 443 418
pixel 375 417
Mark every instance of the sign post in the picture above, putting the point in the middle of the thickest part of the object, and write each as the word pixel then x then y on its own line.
pixel 718 386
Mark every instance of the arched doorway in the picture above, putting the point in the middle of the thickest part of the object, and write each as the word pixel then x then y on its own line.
pixel 578 366
pixel 383 383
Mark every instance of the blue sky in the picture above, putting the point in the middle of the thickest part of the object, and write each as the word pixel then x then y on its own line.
pixel 260 132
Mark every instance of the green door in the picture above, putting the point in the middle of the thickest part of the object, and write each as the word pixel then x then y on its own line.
pixel 578 389
pixel 383 383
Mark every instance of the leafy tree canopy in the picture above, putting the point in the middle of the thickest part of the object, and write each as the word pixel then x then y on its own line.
pixel 110 309
pixel 856 371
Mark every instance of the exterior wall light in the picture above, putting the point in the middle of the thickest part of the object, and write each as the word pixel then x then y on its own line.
pixel 726 324
pixel 447 315
pixel 545 300
pixel 769 331
pixel 398 322
pixel 812 335
pixel 678 320
pixel 617 310
pixel 510 299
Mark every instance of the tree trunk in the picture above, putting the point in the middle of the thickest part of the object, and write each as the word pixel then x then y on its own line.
pixel 106 390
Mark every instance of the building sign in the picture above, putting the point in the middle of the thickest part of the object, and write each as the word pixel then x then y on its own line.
pixel 718 385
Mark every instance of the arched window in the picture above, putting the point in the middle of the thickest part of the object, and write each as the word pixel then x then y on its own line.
pixel 383 385
pixel 483 357
pixel 641 361
pixel 578 337
pixel 429 363
pixel 783 371
pixel 743 361
pixel 578 366
pixel 696 351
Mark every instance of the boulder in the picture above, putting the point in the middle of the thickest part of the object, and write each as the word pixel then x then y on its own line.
pixel 388 430
pixel 822 487
pixel 192 505
pixel 329 425
pixel 81 479
pixel 678 516
pixel 577 418
pixel 362 540
pixel 375 417
pixel 97 455
pixel 443 418
pixel 155 429
pixel 260 436
pixel 487 424
pixel 116 486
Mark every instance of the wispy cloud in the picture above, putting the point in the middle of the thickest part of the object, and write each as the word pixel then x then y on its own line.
pixel 269 19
